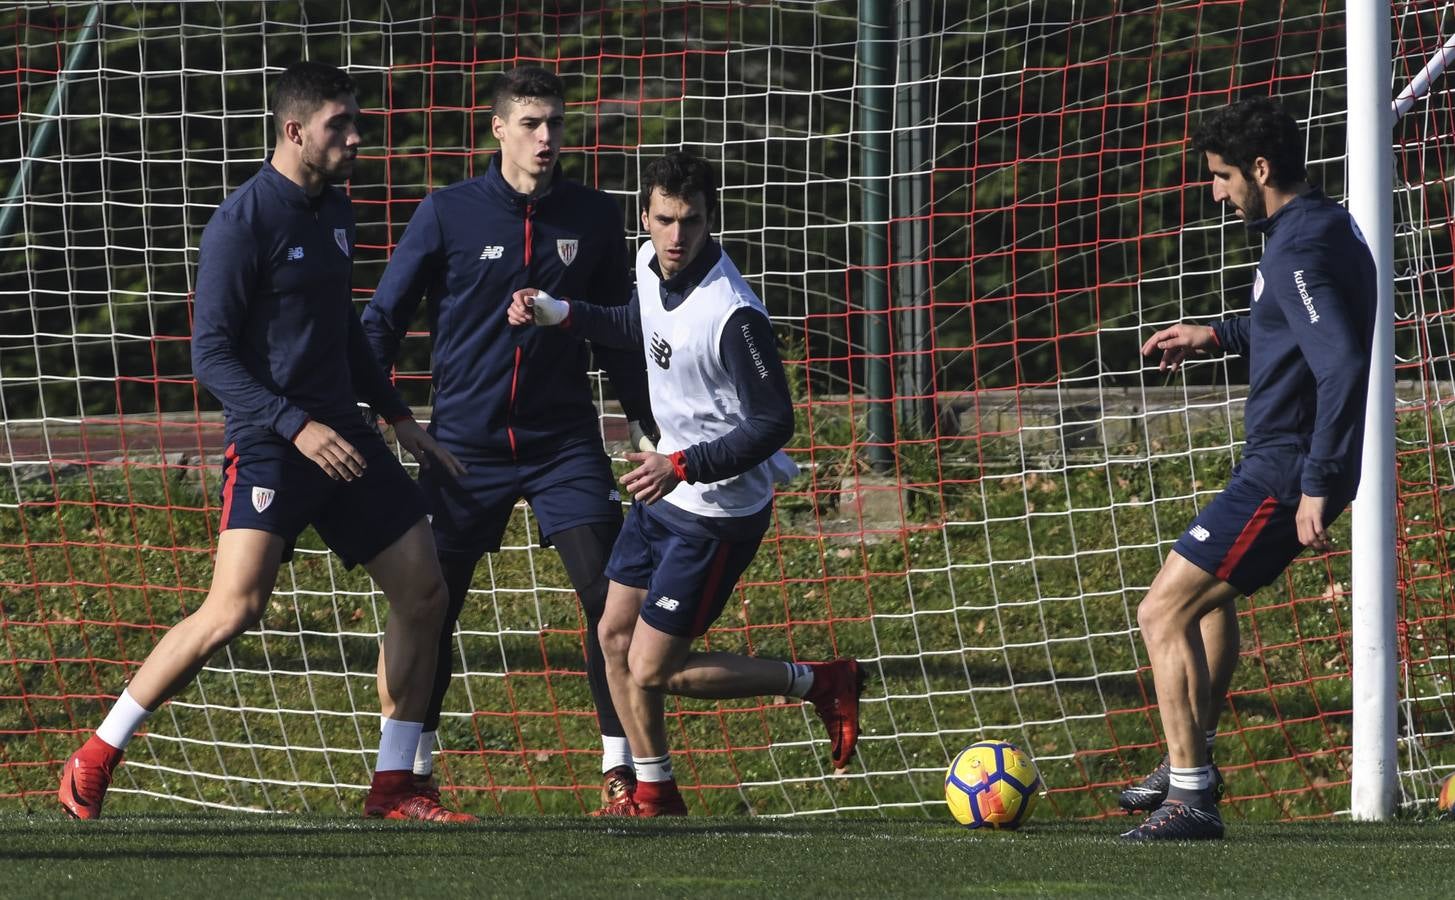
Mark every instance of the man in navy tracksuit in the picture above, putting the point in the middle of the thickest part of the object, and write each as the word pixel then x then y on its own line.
pixel 276 339
pixel 514 405
pixel 1307 338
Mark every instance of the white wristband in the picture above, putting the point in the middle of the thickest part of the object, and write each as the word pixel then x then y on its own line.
pixel 549 310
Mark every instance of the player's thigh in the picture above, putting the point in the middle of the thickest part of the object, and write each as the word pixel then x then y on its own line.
pixel 571 488
pixel 409 567
pixel 243 575
pixel 368 515
pixel 469 512
pixel 619 619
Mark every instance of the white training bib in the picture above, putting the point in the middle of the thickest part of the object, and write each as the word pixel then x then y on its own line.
pixel 693 399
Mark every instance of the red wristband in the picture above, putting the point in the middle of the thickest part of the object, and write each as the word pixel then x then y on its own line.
pixel 1215 338
pixel 679 465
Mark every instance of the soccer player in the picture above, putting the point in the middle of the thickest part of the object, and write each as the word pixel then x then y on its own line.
pixel 704 501
pixel 276 338
pixel 516 406
pixel 1307 338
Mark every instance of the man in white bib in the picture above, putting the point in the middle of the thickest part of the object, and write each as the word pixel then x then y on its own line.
pixel 705 498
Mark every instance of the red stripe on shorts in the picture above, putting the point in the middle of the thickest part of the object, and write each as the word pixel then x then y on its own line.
pixel 710 588
pixel 230 456
pixel 1255 526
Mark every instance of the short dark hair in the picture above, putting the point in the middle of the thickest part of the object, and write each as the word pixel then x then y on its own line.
pixel 680 175
pixel 304 87
pixel 524 81
pixel 1243 131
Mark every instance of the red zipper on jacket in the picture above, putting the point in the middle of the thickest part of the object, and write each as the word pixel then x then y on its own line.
pixel 515 373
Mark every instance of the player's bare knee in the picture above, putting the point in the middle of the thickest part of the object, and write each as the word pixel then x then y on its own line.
pixel 651 674
pixel 424 604
pixel 616 641
pixel 1152 617
pixel 228 619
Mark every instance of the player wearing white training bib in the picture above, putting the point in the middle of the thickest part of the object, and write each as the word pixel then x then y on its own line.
pixel 694 397
pixel 721 402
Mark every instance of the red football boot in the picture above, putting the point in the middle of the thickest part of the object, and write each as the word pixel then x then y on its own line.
pixel 395 795
pixel 835 697
pixel 85 778
pixel 658 798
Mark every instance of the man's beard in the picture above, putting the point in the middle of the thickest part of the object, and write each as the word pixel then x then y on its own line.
pixel 1256 209
pixel 317 162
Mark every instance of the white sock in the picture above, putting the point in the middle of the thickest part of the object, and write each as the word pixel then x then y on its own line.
pixel 800 679
pixel 1210 736
pixel 424 754
pixel 123 721
pixel 398 742
pixel 615 751
pixel 653 769
pixel 1198 778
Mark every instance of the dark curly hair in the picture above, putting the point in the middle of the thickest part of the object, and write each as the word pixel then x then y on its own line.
pixel 304 87
pixel 1243 131
pixel 680 175
pixel 524 81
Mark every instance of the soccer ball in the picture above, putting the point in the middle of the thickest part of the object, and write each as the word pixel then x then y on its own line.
pixel 1445 800
pixel 991 784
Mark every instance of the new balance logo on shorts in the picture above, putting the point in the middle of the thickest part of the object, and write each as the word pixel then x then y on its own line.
pixel 494 251
pixel 295 253
pixel 262 498
pixel 1197 531
pixel 668 604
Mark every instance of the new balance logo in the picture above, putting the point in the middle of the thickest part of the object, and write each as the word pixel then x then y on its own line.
pixel 668 604
pixel 614 495
pixel 295 253
pixel 1199 533
pixel 661 352
pixel 494 251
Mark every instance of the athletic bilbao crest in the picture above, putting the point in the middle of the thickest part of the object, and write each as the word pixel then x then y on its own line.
pixel 1257 285
pixel 262 498
pixel 566 249
pixel 341 237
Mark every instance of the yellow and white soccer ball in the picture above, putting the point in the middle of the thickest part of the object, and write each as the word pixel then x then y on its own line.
pixel 992 784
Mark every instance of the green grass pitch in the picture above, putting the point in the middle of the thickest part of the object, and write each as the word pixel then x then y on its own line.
pixel 224 855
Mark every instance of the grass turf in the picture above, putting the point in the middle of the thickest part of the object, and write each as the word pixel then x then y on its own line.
pixel 275 856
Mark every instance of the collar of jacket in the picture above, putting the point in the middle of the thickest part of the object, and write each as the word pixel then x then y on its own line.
pixel 500 189
pixel 289 192
pixel 1265 225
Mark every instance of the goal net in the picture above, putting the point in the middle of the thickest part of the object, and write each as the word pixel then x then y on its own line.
pixel 963 224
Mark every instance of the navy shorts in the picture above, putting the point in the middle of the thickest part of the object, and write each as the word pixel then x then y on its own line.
pixel 688 579
pixel 269 485
pixel 569 488
pixel 1248 534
